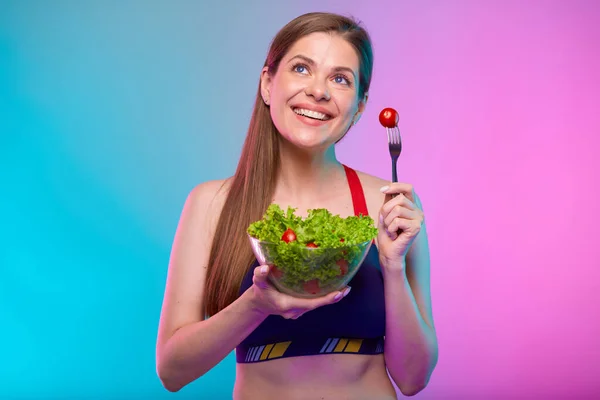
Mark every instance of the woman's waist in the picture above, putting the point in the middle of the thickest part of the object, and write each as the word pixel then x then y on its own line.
pixel 325 376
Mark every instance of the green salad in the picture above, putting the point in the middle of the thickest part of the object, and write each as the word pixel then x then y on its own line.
pixel 314 253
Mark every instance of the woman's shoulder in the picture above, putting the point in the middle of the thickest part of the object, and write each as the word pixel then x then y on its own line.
pixel 209 197
pixel 211 190
pixel 371 186
pixel 373 196
pixel 371 182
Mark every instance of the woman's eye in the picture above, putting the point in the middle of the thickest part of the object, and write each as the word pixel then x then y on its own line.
pixel 341 79
pixel 300 69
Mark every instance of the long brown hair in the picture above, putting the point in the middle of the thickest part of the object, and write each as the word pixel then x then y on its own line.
pixel 253 184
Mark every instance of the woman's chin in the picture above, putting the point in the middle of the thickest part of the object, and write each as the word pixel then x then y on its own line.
pixel 311 139
pixel 312 144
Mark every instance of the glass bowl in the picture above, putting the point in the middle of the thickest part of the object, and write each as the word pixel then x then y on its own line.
pixel 309 272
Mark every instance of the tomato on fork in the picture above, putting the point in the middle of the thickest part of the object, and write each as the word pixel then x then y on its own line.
pixel 388 117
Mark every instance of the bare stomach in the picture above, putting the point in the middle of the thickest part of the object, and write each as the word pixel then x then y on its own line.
pixel 322 377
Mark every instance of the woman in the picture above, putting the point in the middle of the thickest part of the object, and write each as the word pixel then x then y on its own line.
pixel 313 88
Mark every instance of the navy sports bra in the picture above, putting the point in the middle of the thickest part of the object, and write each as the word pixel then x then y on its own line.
pixel 354 325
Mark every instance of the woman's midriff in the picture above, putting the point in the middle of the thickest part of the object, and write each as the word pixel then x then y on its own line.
pixel 322 377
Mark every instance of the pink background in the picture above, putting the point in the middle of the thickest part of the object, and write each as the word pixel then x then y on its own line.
pixel 499 105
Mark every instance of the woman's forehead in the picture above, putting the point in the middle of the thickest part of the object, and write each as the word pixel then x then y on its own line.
pixel 325 50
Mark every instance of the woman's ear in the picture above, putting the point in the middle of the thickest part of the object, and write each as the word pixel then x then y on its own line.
pixel 361 108
pixel 265 85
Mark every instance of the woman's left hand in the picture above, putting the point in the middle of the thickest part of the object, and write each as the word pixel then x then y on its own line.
pixel 400 221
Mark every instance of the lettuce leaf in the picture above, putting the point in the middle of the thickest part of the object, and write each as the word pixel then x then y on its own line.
pixel 320 227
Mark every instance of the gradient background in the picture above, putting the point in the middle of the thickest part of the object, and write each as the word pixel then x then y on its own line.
pixel 111 112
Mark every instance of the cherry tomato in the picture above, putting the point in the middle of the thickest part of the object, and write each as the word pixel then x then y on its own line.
pixel 276 272
pixel 388 117
pixel 312 245
pixel 289 235
pixel 342 240
pixel 343 264
pixel 311 287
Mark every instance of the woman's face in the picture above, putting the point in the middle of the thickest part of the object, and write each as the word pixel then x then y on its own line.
pixel 313 97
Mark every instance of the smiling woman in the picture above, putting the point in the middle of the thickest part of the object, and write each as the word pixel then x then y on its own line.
pixel 313 88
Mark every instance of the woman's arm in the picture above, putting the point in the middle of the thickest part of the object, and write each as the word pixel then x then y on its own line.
pixel 188 345
pixel 194 349
pixel 411 349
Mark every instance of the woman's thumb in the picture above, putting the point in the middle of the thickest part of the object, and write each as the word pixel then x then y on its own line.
pixel 260 276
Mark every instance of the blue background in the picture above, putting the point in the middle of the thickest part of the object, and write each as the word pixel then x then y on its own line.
pixel 109 115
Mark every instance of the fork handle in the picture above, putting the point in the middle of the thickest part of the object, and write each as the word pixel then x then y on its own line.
pixel 395 179
pixel 394 171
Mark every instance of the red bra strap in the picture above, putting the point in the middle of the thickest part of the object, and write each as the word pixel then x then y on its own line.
pixel 356 189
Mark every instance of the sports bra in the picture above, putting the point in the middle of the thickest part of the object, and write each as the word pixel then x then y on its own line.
pixel 354 325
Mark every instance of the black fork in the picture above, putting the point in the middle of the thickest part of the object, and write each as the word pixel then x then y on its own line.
pixel 395 145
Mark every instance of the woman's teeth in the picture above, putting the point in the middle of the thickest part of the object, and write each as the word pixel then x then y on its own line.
pixel 311 114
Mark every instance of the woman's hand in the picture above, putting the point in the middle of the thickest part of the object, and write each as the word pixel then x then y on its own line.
pixel 269 301
pixel 400 221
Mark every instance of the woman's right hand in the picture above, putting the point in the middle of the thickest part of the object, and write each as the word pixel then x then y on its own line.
pixel 270 301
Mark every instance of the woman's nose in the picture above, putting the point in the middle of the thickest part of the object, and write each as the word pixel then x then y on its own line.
pixel 318 90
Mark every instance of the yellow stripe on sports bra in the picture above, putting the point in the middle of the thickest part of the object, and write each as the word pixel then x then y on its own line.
pixel 340 346
pixel 279 349
pixel 266 351
pixel 353 346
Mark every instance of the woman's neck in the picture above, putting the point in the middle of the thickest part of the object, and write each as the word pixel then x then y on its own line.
pixel 305 176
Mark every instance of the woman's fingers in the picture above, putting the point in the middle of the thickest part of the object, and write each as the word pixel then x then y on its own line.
pixel 299 306
pixel 291 307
